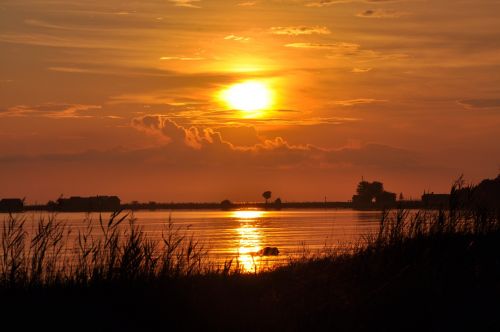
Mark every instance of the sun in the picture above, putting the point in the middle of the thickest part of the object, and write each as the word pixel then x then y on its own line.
pixel 248 96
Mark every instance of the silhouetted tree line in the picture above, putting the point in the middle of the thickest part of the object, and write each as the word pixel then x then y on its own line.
pixel 86 204
pixel 369 195
pixel 484 196
pixel 372 195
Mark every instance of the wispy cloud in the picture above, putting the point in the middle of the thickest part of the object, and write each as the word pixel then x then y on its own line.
pixel 237 38
pixel 74 70
pixel 361 70
pixel 481 104
pixel 349 47
pixel 325 3
pixel 380 13
pixel 359 101
pixel 51 110
pixel 247 3
pixel 181 58
pixel 185 3
pixel 300 30
pixel 156 98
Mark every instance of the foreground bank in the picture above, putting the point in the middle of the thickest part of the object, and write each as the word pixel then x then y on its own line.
pixel 426 271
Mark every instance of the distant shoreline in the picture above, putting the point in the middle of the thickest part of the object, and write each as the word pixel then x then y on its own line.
pixel 236 206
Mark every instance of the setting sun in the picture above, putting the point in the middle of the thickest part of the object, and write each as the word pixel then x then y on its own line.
pixel 250 96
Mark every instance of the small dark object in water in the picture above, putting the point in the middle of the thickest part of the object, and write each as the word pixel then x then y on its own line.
pixel 269 251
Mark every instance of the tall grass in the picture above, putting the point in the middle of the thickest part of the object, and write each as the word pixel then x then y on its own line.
pixel 116 249
pixel 462 218
pixel 421 271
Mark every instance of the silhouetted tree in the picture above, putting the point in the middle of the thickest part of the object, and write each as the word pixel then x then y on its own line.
pixel 377 188
pixel 363 188
pixel 277 203
pixel 226 205
pixel 51 205
pixel 485 195
pixel 266 195
pixel 372 193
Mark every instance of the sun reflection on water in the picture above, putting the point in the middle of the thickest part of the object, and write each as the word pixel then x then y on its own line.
pixel 248 214
pixel 249 238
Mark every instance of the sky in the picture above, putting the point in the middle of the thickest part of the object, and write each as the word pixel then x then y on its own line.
pixel 124 97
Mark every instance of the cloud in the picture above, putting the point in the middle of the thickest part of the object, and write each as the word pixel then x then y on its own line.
pixel 77 70
pixel 300 30
pixel 201 138
pixel 156 98
pixel 40 39
pixel 212 158
pixel 205 149
pixel 51 110
pixel 380 13
pixel 177 172
pixel 177 58
pixel 478 104
pixel 341 46
pixel 237 38
pixel 247 3
pixel 276 152
pixel 361 70
pixel 354 102
pixel 185 3
pixel 325 3
pixel 344 49
pixel 109 70
pixel 176 134
pixel 240 135
pixel 199 163
pixel 46 25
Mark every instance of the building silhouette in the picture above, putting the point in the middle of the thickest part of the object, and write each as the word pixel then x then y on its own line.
pixel 11 205
pixel 88 204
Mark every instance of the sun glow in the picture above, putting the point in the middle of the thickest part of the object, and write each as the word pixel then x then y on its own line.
pixel 248 214
pixel 250 97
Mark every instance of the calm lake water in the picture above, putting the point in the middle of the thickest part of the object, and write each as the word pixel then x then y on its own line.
pixel 238 235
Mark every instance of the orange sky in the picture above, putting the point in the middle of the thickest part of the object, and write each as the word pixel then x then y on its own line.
pixel 122 97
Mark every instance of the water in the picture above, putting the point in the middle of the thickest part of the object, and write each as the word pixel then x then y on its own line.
pixel 239 235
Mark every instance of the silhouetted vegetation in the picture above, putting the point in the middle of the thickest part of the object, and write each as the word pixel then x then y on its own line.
pixel 278 204
pixel 371 195
pixel 432 200
pixel 427 270
pixel 87 204
pixel 11 205
pixel 226 205
pixel 484 196
pixel 107 252
pixel 267 196
pixel 423 271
